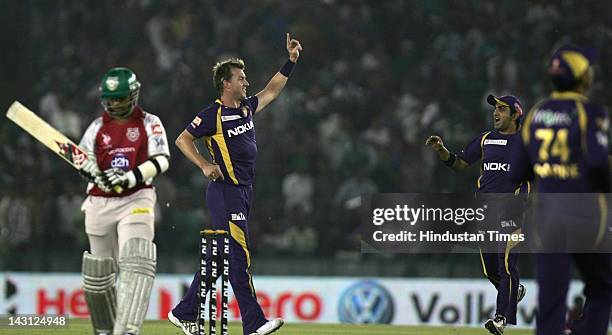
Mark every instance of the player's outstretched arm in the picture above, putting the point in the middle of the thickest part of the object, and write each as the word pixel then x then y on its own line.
pixel 277 83
pixel 450 159
pixel 185 142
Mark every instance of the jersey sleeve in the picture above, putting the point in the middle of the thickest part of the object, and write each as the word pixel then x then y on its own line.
pixel 204 123
pixel 519 161
pixel 156 136
pixel 597 137
pixel 253 102
pixel 472 152
pixel 88 141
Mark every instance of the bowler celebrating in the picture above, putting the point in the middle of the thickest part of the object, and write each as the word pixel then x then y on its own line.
pixel 229 132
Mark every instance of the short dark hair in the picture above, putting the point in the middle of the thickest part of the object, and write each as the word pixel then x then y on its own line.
pixel 223 71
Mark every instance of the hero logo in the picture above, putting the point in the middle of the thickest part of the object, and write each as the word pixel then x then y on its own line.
pixel 366 302
pixel 241 129
pixel 494 166
pixel 120 161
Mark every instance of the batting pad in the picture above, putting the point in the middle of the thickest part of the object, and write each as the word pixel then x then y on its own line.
pixel 137 265
pixel 99 287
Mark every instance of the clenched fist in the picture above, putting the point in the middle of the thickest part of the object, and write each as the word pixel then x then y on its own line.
pixel 435 142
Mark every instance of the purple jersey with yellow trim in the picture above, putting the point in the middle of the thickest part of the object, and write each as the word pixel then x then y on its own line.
pixel 564 140
pixel 229 134
pixel 493 150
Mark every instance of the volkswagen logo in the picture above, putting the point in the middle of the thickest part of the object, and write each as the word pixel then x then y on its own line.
pixel 365 302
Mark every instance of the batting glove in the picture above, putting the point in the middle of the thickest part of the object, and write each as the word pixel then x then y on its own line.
pixel 89 171
pixel 118 177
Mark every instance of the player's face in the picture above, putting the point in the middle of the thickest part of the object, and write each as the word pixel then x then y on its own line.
pixel 502 117
pixel 239 84
pixel 118 108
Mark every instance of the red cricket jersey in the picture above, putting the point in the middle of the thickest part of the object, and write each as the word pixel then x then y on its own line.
pixel 124 145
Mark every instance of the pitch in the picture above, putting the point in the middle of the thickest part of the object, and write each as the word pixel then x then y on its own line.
pixel 162 327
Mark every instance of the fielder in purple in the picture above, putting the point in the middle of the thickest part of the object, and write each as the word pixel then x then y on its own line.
pixel 564 146
pixel 228 130
pixel 505 212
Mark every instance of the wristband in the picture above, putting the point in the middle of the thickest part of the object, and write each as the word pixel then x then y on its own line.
pixel 287 68
pixel 451 159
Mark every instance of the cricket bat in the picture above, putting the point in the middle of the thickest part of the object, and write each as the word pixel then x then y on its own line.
pixel 49 136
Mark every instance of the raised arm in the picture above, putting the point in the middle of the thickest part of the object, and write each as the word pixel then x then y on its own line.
pixel 277 83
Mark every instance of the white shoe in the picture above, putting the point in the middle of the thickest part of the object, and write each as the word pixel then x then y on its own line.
pixel 496 326
pixel 188 327
pixel 269 327
pixel 521 293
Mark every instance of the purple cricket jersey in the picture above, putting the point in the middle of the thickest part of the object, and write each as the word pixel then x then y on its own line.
pixel 493 150
pixel 563 140
pixel 230 138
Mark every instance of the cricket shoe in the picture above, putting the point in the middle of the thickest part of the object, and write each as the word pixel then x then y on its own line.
pixel 188 327
pixel 497 325
pixel 521 293
pixel 269 327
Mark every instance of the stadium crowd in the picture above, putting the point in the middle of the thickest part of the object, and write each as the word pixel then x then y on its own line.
pixel 374 80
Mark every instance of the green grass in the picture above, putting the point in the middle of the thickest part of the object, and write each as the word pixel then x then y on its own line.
pixel 83 327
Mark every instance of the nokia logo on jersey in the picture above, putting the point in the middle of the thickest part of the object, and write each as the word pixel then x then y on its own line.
pixel 494 166
pixel 241 129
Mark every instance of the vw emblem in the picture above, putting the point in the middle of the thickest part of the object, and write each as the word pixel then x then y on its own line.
pixel 366 302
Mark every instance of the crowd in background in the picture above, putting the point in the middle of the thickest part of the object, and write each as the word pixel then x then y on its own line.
pixel 374 80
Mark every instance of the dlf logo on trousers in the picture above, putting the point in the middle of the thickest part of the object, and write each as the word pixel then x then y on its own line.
pixel 238 217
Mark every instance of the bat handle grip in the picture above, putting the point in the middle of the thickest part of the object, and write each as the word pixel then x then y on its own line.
pixel 118 189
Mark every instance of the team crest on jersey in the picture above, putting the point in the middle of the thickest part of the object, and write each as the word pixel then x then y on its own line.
pixel 133 134
pixel 112 83
pixel 245 111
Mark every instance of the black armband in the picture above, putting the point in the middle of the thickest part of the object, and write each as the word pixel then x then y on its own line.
pixel 138 175
pixel 451 159
pixel 287 68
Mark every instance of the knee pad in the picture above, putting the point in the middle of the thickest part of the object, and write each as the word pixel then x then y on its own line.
pixel 137 265
pixel 98 279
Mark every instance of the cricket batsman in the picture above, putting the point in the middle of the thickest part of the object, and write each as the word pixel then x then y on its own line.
pixel 127 148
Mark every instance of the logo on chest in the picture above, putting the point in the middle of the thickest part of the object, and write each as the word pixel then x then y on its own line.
pixel 106 141
pixel 241 129
pixel 121 161
pixel 133 134
pixel 495 142
pixel 494 166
